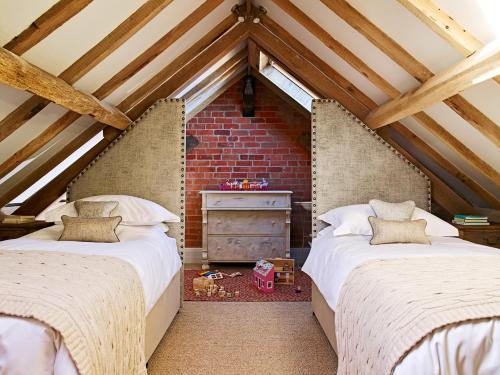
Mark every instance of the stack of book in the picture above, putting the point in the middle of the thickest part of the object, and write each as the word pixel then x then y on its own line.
pixel 470 220
pixel 17 219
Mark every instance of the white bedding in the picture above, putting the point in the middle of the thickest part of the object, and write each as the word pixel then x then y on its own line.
pixel 472 348
pixel 153 255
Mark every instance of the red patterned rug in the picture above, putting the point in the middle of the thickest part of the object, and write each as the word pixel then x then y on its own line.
pixel 248 293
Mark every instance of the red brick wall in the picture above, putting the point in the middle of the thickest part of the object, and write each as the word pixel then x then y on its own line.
pixel 232 146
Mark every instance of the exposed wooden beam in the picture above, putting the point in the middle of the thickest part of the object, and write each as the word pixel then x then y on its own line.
pixel 66 120
pixel 298 65
pixel 84 64
pixel 439 159
pixel 325 68
pixel 414 67
pixel 424 119
pixel 157 48
pixel 189 72
pixel 335 46
pixel 253 56
pixel 241 56
pixel 49 21
pixel 180 61
pixel 478 67
pixel 445 26
pixel 20 74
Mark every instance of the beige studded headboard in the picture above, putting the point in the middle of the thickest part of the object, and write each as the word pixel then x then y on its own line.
pixel 146 161
pixel 351 164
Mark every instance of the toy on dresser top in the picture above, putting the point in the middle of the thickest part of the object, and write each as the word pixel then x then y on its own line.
pixel 252 185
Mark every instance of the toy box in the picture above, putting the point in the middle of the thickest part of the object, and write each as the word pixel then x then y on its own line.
pixel 263 276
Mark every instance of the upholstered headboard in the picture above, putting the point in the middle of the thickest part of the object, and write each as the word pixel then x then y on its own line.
pixel 351 164
pixel 146 161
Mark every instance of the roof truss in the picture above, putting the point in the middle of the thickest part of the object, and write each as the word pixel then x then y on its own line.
pixel 276 42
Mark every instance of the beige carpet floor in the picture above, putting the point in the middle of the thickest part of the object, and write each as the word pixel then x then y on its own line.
pixel 244 338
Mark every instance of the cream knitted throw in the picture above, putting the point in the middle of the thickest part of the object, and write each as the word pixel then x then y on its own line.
pixel 95 302
pixel 386 307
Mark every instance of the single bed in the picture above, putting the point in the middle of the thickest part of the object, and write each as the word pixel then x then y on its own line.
pixel 351 165
pixel 146 161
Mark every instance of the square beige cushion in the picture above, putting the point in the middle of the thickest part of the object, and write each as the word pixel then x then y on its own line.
pixel 392 211
pixel 95 209
pixel 397 231
pixel 90 229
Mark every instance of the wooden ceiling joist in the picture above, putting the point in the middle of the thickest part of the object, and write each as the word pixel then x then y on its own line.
pixel 424 119
pixel 302 50
pixel 478 67
pixel 59 125
pixel 20 74
pixel 84 64
pixel 49 21
pixel 445 26
pixel 414 67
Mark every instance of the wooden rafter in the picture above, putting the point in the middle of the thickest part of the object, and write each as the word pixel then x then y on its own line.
pixel 299 70
pixel 194 68
pixel 253 55
pixel 241 56
pixel 157 48
pixel 49 21
pixel 67 119
pixel 178 62
pixel 55 188
pixel 414 67
pixel 478 67
pixel 298 64
pixel 84 64
pixel 424 119
pixel 445 26
pixel 20 74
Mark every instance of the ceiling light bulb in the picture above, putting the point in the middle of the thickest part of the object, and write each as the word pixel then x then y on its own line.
pixel 256 20
pixel 241 19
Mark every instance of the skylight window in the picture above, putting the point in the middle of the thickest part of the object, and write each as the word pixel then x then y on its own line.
pixel 286 82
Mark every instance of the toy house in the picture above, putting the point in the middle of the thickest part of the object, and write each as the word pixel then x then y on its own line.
pixel 263 276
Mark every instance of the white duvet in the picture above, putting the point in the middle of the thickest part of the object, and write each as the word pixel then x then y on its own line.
pixel 465 349
pixel 30 347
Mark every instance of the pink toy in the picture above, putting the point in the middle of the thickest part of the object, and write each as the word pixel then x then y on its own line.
pixel 263 276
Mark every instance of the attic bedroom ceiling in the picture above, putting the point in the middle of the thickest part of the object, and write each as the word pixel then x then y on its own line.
pixel 364 54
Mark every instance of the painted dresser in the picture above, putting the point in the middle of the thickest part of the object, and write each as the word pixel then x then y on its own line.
pixel 241 226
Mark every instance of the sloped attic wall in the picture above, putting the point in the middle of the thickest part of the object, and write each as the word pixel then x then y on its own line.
pixel 427 47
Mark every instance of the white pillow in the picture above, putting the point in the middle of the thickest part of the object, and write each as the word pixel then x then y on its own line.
pixel 435 226
pixel 133 210
pixel 351 219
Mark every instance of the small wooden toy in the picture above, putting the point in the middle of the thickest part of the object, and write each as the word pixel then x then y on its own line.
pixel 209 293
pixel 229 295
pixel 263 276
pixel 202 283
pixel 237 293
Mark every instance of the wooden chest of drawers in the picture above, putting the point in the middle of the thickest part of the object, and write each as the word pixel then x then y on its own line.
pixel 243 226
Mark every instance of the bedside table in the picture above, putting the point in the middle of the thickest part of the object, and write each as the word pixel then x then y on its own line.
pixel 11 231
pixel 488 235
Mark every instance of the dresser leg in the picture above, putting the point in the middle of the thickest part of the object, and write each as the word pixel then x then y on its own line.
pixel 205 266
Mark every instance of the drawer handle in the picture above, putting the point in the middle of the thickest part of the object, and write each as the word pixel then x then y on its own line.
pixel 219 248
pixel 273 222
pixel 219 221
pixel 273 249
